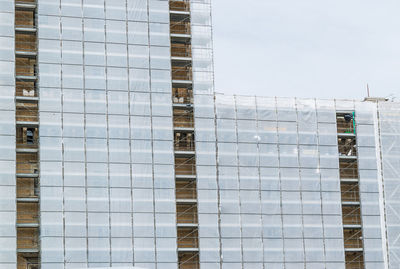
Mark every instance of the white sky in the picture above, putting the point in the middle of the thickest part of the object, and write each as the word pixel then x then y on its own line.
pixel 307 48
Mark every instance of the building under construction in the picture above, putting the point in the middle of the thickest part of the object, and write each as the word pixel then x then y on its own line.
pixel 117 152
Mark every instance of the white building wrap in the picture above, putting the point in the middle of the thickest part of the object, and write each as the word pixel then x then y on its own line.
pixel 132 160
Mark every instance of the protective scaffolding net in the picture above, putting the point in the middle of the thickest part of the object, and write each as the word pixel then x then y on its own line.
pixel 389 118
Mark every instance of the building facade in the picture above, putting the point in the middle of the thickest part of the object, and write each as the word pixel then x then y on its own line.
pixel 116 151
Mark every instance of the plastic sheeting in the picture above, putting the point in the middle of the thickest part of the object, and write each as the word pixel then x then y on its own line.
pixel 106 145
pixel 202 52
pixel 8 248
pixel 278 179
pixel 371 193
pixel 277 182
pixel 389 119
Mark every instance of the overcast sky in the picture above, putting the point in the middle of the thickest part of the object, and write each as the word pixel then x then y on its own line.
pixel 307 48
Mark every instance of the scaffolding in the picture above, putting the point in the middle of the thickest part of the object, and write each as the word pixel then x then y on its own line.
pixel 187 215
pixel 184 139
pixel 27 134
pixel 350 191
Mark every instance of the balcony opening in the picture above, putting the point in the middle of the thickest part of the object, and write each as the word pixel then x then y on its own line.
pixel 26 89
pixel 345 123
pixel 350 192
pixel 182 72
pixel 27 166
pixel 189 260
pixel 27 238
pixel 186 190
pixel 351 215
pixel 181 49
pixel 27 188
pixel 354 260
pixel 27 137
pixel 27 112
pixel 185 166
pixel 348 168
pixel 347 146
pixel 179 5
pixel 25 42
pixel 27 213
pixel 28 260
pixel 353 238
pixel 183 117
pixel 25 67
pixel 184 141
pixel 188 237
pixel 182 95
pixel 182 27
pixel 186 213
pixel 25 19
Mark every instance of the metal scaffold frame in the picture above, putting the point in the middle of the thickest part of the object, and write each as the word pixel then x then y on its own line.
pixel 27 132
pixel 350 195
pixel 184 137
